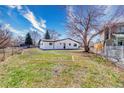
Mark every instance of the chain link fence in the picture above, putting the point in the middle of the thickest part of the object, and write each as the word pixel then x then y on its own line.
pixel 115 52
pixel 6 52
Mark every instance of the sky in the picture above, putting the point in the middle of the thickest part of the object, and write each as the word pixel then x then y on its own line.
pixel 22 19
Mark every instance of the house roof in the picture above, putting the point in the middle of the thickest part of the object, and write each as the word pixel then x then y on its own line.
pixel 51 40
pixel 117 24
pixel 119 35
pixel 47 40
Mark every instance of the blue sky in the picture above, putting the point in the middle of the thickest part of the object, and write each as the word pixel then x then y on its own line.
pixel 22 19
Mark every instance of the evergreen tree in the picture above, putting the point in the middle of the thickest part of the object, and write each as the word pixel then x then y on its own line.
pixel 47 35
pixel 28 40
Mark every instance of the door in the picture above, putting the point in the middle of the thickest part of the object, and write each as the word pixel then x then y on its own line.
pixel 64 46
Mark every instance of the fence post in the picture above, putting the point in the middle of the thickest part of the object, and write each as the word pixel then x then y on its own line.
pixel 122 52
pixel 105 50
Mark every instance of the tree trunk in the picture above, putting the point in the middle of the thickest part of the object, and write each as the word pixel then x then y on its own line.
pixel 86 48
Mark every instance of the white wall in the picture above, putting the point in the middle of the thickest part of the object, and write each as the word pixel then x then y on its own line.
pixel 45 45
pixel 60 45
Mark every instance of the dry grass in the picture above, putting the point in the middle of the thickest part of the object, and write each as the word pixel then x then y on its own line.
pixel 57 68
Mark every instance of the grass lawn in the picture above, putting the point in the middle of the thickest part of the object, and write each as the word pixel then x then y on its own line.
pixel 59 68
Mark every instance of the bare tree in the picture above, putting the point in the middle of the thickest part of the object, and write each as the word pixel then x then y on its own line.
pixel 39 43
pixel 54 34
pixel 5 38
pixel 89 22
pixel 35 37
pixel 16 41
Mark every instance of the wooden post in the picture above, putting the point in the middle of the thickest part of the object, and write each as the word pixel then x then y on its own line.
pixel 122 52
pixel 73 58
pixel 12 51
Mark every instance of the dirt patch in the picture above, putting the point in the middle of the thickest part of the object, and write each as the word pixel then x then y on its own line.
pixel 58 69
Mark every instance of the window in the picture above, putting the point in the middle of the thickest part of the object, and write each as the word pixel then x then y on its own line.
pixel 120 43
pixel 121 29
pixel 75 45
pixel 50 43
pixel 69 44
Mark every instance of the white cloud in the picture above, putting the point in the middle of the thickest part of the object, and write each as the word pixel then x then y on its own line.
pixel 70 9
pixel 29 15
pixel 43 23
pixel 15 6
pixel 11 6
pixel 32 19
pixel 11 29
pixel 108 9
pixel 7 26
pixel 33 29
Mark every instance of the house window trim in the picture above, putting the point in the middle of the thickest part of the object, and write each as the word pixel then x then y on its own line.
pixel 50 43
pixel 75 45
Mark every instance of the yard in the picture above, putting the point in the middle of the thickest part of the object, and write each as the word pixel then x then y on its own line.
pixel 59 68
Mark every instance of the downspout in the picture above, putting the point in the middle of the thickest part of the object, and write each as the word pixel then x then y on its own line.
pixel 53 45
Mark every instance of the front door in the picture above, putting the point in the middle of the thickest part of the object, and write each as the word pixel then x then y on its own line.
pixel 64 46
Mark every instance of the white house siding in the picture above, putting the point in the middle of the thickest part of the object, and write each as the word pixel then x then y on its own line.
pixel 45 45
pixel 60 44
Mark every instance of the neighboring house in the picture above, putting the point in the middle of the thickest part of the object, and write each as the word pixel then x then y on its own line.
pixel 113 42
pixel 114 38
pixel 67 43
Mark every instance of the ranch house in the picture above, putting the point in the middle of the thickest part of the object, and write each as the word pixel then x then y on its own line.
pixel 67 43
